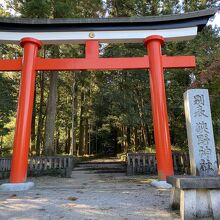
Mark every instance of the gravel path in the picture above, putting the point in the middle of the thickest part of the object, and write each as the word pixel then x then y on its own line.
pixel 88 196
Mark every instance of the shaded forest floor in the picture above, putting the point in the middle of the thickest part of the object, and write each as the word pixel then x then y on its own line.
pixel 88 196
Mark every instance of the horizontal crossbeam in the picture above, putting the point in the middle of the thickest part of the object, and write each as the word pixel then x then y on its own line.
pixel 99 63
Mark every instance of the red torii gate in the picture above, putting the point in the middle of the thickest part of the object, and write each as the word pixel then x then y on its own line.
pixel 30 63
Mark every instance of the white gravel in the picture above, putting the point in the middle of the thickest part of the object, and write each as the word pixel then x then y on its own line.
pixel 88 196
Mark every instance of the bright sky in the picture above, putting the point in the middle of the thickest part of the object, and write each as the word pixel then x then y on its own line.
pixel 215 22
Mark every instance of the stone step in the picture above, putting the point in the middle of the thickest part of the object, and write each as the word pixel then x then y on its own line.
pixel 99 168
pixel 99 163
pixel 115 164
pixel 102 167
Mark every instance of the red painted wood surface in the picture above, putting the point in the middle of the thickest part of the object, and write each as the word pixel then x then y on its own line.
pixel 24 113
pixel 99 63
pixel 159 108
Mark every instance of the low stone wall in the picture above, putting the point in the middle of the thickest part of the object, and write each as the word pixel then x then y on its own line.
pixel 42 165
pixel 141 163
pixel 145 163
pixel 5 166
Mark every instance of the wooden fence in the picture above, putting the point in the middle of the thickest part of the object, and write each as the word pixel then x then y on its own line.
pixel 145 163
pixel 42 165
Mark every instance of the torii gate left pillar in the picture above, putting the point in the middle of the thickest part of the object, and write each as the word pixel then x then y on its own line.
pixel 19 163
pixel 155 62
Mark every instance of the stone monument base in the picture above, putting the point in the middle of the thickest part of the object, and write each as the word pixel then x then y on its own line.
pixel 161 184
pixel 196 196
pixel 16 186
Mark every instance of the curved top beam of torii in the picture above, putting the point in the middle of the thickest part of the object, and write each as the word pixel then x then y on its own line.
pixel 105 30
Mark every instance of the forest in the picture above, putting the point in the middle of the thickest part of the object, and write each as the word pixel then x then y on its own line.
pixel 97 112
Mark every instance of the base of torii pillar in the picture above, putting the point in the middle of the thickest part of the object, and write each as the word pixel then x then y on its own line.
pixel 16 186
pixel 161 184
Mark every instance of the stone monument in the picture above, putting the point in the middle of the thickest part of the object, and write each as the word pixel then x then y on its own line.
pixel 201 143
pixel 198 196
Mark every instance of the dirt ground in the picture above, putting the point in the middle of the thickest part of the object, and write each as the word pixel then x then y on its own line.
pixel 88 196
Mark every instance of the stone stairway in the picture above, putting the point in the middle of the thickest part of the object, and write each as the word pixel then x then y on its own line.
pixel 111 165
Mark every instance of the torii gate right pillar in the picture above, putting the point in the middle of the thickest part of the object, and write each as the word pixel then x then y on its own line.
pixel 159 107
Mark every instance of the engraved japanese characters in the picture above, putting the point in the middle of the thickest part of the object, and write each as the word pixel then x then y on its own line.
pixel 202 151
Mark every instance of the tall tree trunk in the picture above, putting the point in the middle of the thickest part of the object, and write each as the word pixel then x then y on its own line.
pixel 128 137
pixel 90 141
pixel 51 115
pixel 135 138
pixel 57 144
pixel 96 139
pixel 144 135
pixel 81 125
pixel 1 145
pixel 86 136
pixel 126 140
pixel 40 115
pixel 125 143
pixel 121 134
pixel 33 149
pixel 149 135
pixel 67 141
pixel 74 110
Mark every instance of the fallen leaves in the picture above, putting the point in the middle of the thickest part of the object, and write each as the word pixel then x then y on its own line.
pixel 72 198
pixel 42 209
pixel 12 196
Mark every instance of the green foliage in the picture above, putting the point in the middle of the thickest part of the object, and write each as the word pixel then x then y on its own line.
pixel 7 102
pixel 112 107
